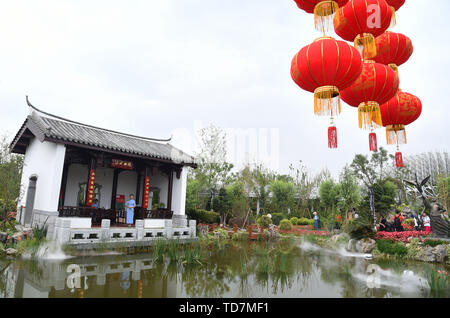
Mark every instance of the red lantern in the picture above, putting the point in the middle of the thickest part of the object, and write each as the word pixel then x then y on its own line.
pixel 323 11
pixel 398 112
pixel 393 49
pixel 395 5
pixel 361 21
pixel 326 67
pixel 376 85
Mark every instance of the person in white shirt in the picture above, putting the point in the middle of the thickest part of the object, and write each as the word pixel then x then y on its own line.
pixel 427 223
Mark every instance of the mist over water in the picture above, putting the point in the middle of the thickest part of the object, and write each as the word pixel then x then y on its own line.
pixel 297 270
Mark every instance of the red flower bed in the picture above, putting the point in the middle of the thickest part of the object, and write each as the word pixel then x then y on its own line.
pixel 401 236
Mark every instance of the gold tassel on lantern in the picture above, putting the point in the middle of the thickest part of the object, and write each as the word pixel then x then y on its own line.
pixel 396 134
pixel 365 43
pixel 369 115
pixel 394 18
pixel 324 14
pixel 327 101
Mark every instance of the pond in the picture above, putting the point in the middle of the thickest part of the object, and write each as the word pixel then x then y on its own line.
pixel 286 269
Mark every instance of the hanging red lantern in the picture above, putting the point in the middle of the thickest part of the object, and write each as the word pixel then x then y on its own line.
pixel 400 111
pixel 393 49
pixel 362 21
pixel 376 85
pixel 323 11
pixel 395 5
pixel 326 67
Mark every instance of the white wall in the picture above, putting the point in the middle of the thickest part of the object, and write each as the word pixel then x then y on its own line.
pixel 127 183
pixel 160 181
pixel 46 160
pixel 179 193
pixel 105 177
pixel 78 173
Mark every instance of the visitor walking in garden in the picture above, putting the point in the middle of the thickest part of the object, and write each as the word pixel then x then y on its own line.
pixel 398 222
pixel 316 221
pixel 383 224
pixel 427 223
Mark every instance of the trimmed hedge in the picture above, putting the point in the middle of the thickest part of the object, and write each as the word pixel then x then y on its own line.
pixel 294 221
pixel 305 221
pixel 276 218
pixel 285 225
pixel 392 248
pixel 204 216
pixel 264 221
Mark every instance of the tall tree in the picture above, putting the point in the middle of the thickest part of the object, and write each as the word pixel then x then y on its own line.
pixel 10 176
pixel 348 193
pixel 213 170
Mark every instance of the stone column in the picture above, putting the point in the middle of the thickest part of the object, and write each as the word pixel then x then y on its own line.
pixel 139 229
pixel 192 228
pixel 106 224
pixel 31 192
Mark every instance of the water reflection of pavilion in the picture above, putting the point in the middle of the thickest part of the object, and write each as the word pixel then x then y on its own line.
pixel 101 277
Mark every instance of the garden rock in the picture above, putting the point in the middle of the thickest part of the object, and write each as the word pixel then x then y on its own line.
pixel 3 237
pixel 11 251
pixel 340 236
pixel 440 253
pixel 365 246
pixel 425 254
pixel 203 229
pixel 271 232
pixel 351 246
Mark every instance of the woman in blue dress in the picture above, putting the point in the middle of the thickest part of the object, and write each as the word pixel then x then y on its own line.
pixel 130 205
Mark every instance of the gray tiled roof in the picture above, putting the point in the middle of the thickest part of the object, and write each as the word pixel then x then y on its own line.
pixel 66 131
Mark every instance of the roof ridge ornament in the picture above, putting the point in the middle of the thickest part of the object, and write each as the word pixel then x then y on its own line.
pixel 90 126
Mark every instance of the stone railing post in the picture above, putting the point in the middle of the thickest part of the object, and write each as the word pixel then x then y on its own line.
pixel 192 228
pixel 139 229
pixel 106 224
pixel 62 232
pixel 169 228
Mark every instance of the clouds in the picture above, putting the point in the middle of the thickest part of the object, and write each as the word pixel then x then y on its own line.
pixel 155 67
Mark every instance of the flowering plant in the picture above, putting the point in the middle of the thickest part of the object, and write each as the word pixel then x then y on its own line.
pixel 401 236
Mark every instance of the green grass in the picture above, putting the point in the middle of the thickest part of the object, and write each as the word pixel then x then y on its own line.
pixel 438 282
pixel 392 248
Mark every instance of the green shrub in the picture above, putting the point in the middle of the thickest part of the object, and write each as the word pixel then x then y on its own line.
pixel 392 248
pixel 294 221
pixel 264 221
pixel 285 225
pixel 413 248
pixel 221 233
pixel 305 221
pixel 409 222
pixel 240 236
pixel 358 229
pixel 204 216
pixel 276 218
pixel 434 243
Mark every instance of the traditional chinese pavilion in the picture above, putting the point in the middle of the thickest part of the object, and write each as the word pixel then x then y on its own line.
pixel 78 177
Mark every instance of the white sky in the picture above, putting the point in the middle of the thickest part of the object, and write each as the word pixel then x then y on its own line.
pixel 162 67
